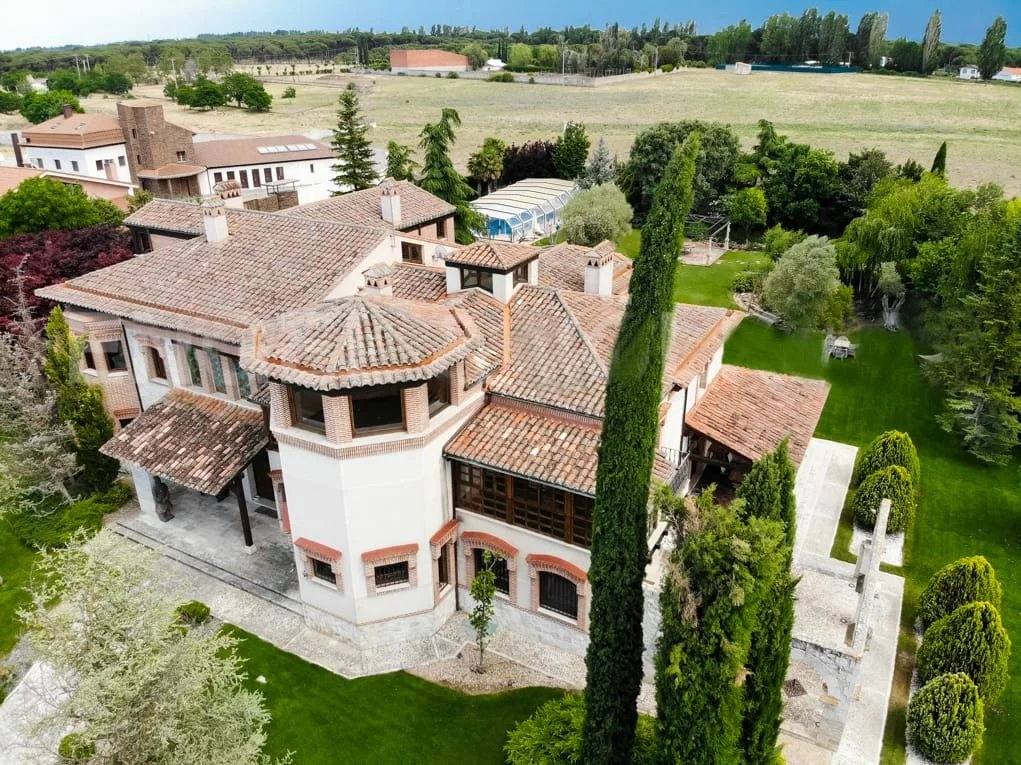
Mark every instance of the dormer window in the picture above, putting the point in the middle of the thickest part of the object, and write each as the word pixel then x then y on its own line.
pixel 476 277
pixel 378 409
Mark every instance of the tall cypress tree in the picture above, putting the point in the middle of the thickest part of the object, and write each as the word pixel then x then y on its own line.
pixel 630 423
pixel 939 162
pixel 354 169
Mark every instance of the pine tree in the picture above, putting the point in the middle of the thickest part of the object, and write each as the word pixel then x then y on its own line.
pixel 439 176
pixel 399 164
pixel 630 424
pixel 79 405
pixel 930 42
pixel 354 168
pixel 939 162
pixel 600 168
pixel 993 50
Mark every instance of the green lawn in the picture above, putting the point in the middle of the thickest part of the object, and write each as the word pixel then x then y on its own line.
pixel 392 718
pixel 966 507
pixel 15 566
pixel 710 285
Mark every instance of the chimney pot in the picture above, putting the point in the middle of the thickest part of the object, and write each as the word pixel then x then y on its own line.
pixel 378 280
pixel 599 272
pixel 390 202
pixel 68 111
pixel 214 219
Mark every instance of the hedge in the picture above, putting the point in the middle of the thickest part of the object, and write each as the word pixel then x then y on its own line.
pixel 945 719
pixel 890 448
pixel 55 527
pixel 553 735
pixel 971 640
pixel 893 483
pixel 963 581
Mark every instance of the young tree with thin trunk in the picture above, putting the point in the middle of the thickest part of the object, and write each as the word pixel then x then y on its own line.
pixel 134 681
pixel 354 169
pixel 630 425
pixel 483 589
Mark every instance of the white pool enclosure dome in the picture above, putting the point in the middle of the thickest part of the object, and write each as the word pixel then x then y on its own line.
pixel 525 210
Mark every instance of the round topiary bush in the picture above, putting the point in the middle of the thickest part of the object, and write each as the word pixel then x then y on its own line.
pixel 963 581
pixel 945 718
pixel 553 735
pixel 890 448
pixel 74 748
pixel 971 640
pixel 893 483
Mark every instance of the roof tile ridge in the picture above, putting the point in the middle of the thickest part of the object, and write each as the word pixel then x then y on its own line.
pixel 581 332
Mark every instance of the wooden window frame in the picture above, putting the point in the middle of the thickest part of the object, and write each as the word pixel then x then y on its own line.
pixel 377 429
pixel 297 420
pixel 412 252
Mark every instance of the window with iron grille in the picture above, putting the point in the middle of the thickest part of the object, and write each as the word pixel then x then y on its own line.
pixel 391 574
pixel 323 570
pixel 558 594
pixel 497 565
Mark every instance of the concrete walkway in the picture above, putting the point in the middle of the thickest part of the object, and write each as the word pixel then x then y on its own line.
pixel 821 487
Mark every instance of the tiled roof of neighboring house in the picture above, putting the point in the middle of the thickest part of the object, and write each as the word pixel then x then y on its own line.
pixel 168 215
pixel 77 124
pixel 231 152
pixel 268 265
pixel 562 266
pixel 492 317
pixel 751 411
pixel 500 256
pixel 545 447
pixel 561 346
pixel 171 170
pixel 11 177
pixel 414 282
pixel 192 439
pixel 363 208
pixel 356 341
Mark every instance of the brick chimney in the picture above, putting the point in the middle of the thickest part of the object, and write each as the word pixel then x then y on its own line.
pixel 230 193
pixel 378 280
pixel 390 203
pixel 68 111
pixel 599 273
pixel 214 219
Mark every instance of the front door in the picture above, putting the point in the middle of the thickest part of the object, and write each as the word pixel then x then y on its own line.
pixel 263 481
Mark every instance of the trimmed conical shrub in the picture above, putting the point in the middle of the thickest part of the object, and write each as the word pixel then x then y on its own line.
pixel 971 640
pixel 893 483
pixel 890 448
pixel 945 719
pixel 963 581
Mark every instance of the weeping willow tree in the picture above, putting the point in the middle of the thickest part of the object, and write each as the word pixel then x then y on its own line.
pixel 633 392
pixel 440 177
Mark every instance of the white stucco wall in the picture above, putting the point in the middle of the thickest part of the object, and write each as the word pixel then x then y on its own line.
pixel 673 424
pixel 313 178
pixel 86 159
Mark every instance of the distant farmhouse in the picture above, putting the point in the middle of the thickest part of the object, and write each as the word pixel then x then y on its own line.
pixel 414 61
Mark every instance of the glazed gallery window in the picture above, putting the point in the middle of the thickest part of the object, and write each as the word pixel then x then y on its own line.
pixel 216 364
pixel 498 566
pixel 191 357
pixel 476 277
pixel 113 352
pixel 323 570
pixel 377 409
pixel 558 594
pixel 307 409
pixel 391 574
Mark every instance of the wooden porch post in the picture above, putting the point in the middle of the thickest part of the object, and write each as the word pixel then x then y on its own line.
pixel 246 525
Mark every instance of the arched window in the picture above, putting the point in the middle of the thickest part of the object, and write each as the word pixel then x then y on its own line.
pixel 558 594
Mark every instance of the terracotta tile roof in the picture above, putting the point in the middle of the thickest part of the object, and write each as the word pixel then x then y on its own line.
pixel 751 411
pixel 444 531
pixel 230 152
pixel 363 208
pixel 538 445
pixel 492 318
pixel 317 549
pixel 168 215
pixel 414 282
pixel 172 170
pixel 79 131
pixel 500 256
pixel 268 265
pixel 562 266
pixel 358 340
pixel 390 552
pixel 191 439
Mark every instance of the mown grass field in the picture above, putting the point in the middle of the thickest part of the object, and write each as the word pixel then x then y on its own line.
pixel 903 116
pixel 965 508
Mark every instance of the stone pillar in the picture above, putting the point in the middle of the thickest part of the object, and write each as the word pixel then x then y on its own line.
pixel 144 490
pixel 279 405
pixel 870 585
pixel 337 411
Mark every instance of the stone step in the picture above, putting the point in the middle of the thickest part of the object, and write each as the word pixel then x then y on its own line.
pixel 210 569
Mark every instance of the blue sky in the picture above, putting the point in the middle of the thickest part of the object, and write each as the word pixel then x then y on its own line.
pixel 58 22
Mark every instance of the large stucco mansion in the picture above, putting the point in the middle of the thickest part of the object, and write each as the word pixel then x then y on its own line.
pixel 401 404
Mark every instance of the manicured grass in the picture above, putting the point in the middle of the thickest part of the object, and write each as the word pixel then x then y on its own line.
pixel 392 718
pixel 15 566
pixel 710 285
pixel 629 244
pixel 965 507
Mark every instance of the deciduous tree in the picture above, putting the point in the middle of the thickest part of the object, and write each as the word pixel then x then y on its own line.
pixel 596 214
pixel 930 42
pixel 44 204
pixel 802 283
pixel 571 152
pixel 39 107
pixel 993 50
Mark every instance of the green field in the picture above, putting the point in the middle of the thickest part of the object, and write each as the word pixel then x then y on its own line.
pixel 965 508
pixel 906 117
pixel 393 718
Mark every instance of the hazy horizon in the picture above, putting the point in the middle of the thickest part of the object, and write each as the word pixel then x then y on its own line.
pixel 57 23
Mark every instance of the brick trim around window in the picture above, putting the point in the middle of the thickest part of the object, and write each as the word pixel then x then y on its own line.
pixel 554 565
pixel 444 538
pixel 386 556
pixel 313 551
pixel 472 540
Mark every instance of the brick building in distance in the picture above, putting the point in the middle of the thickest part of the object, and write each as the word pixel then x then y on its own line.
pixel 408 61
